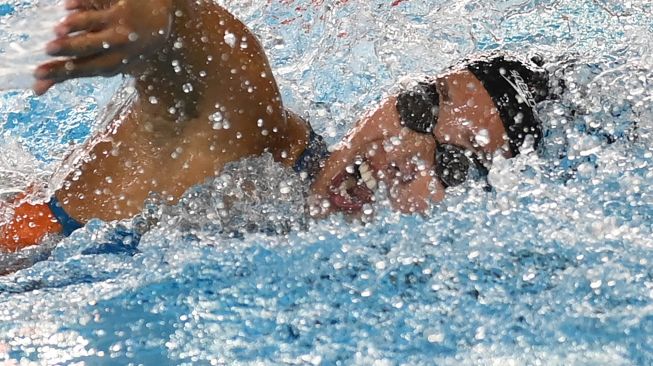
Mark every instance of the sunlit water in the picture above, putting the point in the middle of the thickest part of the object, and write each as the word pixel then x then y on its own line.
pixel 554 266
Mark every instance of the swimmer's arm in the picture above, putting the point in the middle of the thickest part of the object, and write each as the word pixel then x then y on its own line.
pixel 158 42
pixel 186 56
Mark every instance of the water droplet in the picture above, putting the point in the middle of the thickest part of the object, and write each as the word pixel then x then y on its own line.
pixel 367 209
pixel 216 117
pixel 596 284
pixel 480 333
pixel 435 337
pixel 230 39
pixel 482 137
pixel 529 276
pixel 176 66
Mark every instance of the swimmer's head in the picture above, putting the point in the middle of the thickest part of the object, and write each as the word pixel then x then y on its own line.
pixel 475 110
pixel 493 95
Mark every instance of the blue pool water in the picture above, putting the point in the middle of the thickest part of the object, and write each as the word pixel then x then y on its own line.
pixel 553 267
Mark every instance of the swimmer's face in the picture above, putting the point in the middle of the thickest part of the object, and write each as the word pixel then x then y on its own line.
pixel 379 151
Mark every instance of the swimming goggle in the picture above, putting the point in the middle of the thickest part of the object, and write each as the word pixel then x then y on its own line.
pixel 418 109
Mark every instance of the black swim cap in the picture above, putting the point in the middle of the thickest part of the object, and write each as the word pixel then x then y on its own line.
pixel 515 87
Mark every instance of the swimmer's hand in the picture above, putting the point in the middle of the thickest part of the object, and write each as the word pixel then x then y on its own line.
pixel 104 38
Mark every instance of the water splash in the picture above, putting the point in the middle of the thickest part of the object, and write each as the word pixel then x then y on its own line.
pixel 27 29
pixel 252 195
pixel 550 267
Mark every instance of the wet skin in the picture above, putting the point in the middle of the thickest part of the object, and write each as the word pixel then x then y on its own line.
pixel 404 160
pixel 169 139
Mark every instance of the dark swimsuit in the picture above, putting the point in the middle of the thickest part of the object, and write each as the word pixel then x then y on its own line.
pixel 68 224
pixel 313 157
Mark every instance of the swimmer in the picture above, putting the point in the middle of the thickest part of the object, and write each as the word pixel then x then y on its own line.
pixel 206 96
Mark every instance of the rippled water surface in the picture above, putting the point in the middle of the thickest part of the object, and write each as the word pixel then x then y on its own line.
pixel 552 267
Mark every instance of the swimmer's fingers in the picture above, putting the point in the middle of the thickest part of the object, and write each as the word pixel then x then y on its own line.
pixel 90 21
pixel 88 43
pixel 61 70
